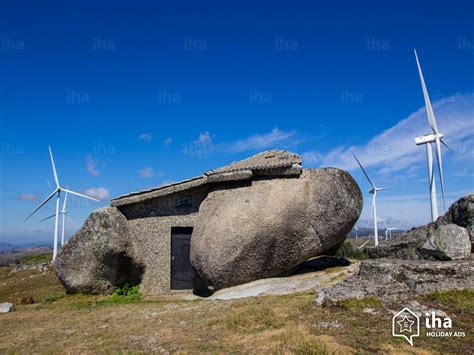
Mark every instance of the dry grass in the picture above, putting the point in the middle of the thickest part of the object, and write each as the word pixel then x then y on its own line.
pixel 57 322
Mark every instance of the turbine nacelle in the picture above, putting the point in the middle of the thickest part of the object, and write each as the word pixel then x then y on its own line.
pixel 428 138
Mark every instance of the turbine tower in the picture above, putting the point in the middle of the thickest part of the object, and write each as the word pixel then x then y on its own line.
pixel 65 213
pixel 428 140
pixel 56 192
pixel 373 191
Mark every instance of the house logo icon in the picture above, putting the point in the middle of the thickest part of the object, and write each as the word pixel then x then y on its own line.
pixel 406 324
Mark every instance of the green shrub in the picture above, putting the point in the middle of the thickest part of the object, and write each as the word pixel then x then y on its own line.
pixel 127 294
pixel 53 296
pixel 359 304
pixel 348 251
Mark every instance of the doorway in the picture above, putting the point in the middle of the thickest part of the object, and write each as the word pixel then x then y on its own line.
pixel 182 273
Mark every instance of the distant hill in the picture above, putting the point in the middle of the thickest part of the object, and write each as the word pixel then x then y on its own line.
pixel 8 248
pixel 5 247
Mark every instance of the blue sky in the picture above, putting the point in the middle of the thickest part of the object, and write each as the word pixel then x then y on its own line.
pixel 132 96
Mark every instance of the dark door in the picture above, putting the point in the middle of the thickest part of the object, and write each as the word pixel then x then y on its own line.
pixel 182 273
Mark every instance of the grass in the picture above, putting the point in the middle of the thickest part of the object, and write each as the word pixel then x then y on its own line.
pixel 459 299
pixel 36 259
pixel 76 323
pixel 249 318
pixel 27 286
pixel 295 342
pixel 355 304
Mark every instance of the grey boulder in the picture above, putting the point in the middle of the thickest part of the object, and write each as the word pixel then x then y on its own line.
pixel 461 213
pixel 262 228
pixel 7 307
pixel 430 242
pixel 448 238
pixel 100 256
pixel 393 280
pixel 448 242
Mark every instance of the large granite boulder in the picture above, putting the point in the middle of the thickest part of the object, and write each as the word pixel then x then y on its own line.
pixel 429 242
pixel 100 256
pixel 393 280
pixel 262 228
pixel 461 213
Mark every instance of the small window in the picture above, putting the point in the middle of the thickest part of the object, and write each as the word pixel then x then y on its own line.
pixel 183 202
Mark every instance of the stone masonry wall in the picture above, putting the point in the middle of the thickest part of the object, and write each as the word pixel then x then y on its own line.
pixel 151 222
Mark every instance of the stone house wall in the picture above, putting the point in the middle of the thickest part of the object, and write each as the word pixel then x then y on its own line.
pixel 151 222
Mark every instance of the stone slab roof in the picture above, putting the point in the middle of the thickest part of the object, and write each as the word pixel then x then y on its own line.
pixel 270 159
pixel 273 162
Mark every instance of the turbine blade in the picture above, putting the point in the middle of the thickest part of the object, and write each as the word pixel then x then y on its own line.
pixel 44 219
pixel 81 195
pixel 387 188
pixel 440 168
pixel 429 109
pixel 69 218
pixel 365 173
pixel 447 146
pixel 42 204
pixel 54 167
pixel 363 245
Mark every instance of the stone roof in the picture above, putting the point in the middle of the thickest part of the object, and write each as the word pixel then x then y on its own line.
pixel 270 159
pixel 268 163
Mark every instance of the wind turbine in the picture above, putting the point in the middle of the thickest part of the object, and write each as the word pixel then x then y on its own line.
pixel 388 231
pixel 65 213
pixel 357 231
pixel 56 192
pixel 373 191
pixel 437 138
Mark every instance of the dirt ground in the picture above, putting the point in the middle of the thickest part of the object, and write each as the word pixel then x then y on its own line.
pixel 47 320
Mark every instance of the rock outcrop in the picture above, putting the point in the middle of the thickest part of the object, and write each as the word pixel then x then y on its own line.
pixel 430 242
pixel 100 256
pixel 396 280
pixel 418 262
pixel 461 213
pixel 448 238
pixel 266 227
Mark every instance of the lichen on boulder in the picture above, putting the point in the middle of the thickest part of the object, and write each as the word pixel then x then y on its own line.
pixel 262 228
pixel 100 256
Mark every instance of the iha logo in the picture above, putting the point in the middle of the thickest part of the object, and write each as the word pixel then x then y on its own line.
pixel 434 322
pixel 406 324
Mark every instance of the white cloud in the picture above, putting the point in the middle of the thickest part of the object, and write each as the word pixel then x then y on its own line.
pixel 146 172
pixel 262 141
pixel 27 197
pixel 394 149
pixel 145 137
pixel 168 141
pixel 204 138
pixel 91 166
pixel 201 146
pixel 100 193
